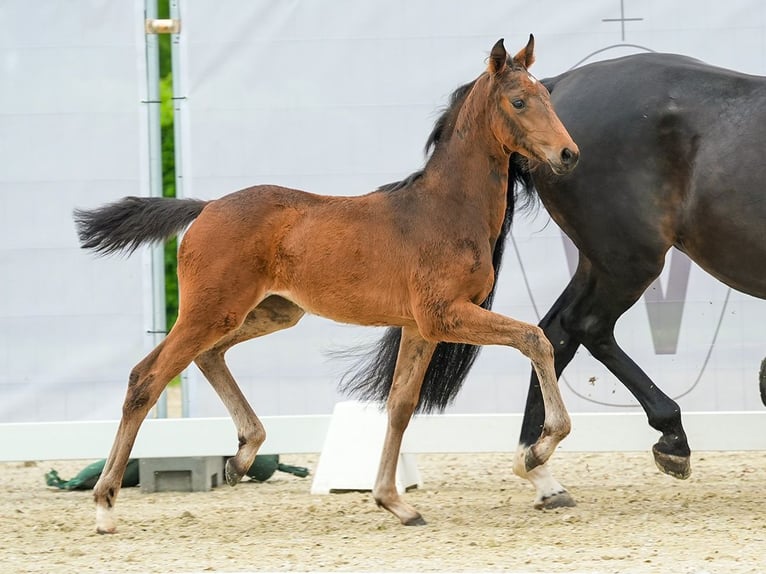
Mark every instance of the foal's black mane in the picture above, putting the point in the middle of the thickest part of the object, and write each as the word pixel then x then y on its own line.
pixel 372 377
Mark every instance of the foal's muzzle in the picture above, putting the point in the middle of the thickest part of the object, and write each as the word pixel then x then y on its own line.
pixel 566 162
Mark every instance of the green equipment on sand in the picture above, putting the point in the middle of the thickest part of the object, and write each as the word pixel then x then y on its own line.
pixel 88 476
pixel 265 465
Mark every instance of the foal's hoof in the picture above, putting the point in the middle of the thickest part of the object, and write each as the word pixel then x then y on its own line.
pixel 673 464
pixel 559 500
pixel 105 523
pixel 233 476
pixel 416 521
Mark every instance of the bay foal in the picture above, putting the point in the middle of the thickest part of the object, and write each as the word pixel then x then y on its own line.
pixel 420 257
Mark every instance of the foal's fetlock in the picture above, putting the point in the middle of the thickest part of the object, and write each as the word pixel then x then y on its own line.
pixel 531 460
pixel 558 431
pixel 406 514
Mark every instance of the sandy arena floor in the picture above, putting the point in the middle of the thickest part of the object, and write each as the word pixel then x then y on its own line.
pixel 630 518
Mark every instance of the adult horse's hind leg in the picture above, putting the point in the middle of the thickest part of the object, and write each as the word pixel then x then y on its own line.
pixel 412 362
pixel 591 319
pixel 272 314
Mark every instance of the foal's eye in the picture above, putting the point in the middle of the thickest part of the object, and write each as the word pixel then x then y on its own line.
pixel 518 104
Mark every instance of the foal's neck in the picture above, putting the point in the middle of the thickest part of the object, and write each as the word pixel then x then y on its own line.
pixel 471 163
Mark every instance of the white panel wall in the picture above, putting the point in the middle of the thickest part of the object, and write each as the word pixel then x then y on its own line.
pixel 72 134
pixel 339 96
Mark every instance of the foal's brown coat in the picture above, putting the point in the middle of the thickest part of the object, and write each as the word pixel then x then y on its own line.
pixel 255 261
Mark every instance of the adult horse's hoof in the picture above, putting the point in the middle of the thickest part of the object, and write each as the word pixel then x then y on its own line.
pixel 233 476
pixel 672 464
pixel 559 500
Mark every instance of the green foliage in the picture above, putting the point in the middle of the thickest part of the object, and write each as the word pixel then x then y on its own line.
pixel 168 163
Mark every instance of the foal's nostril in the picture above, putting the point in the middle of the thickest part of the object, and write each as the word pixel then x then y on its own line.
pixel 568 157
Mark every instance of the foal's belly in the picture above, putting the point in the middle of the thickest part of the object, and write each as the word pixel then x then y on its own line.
pixel 368 307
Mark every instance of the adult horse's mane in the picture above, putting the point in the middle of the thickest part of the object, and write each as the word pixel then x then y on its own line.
pixel 370 379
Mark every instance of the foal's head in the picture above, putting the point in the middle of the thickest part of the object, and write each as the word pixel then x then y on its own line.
pixel 520 112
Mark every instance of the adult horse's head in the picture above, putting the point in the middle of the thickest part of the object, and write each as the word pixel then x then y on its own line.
pixel 521 115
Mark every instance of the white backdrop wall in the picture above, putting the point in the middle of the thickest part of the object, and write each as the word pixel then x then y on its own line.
pixel 72 134
pixel 338 97
pixel 333 97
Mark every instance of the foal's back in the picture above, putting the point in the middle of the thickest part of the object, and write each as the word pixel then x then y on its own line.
pixel 358 259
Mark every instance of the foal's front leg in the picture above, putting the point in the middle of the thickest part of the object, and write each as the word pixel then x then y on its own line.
pixel 411 364
pixel 469 323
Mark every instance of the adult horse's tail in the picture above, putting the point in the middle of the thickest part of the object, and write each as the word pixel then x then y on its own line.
pixel 132 221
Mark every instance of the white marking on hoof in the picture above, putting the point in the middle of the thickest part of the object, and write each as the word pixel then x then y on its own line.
pixel 105 523
pixel 558 500
pixel 549 493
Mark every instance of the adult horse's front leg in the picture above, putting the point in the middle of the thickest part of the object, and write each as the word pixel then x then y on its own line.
pixel 549 492
pixel 411 365
pixel 762 381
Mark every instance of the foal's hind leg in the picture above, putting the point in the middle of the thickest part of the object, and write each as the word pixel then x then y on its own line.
pixel 272 314
pixel 412 362
pixel 147 380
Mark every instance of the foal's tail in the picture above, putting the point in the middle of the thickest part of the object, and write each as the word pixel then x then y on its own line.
pixel 132 221
pixel 372 378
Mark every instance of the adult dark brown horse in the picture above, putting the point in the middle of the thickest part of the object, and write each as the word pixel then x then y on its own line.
pixel 671 157
pixel 419 257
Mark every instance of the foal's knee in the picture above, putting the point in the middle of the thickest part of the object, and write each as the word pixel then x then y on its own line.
pixel 536 345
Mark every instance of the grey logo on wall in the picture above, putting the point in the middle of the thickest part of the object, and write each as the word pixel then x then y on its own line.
pixel 664 308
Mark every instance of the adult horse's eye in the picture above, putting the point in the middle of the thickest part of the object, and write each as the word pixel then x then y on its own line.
pixel 518 104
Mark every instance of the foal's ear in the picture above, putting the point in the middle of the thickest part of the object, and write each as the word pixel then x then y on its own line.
pixel 526 56
pixel 497 58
